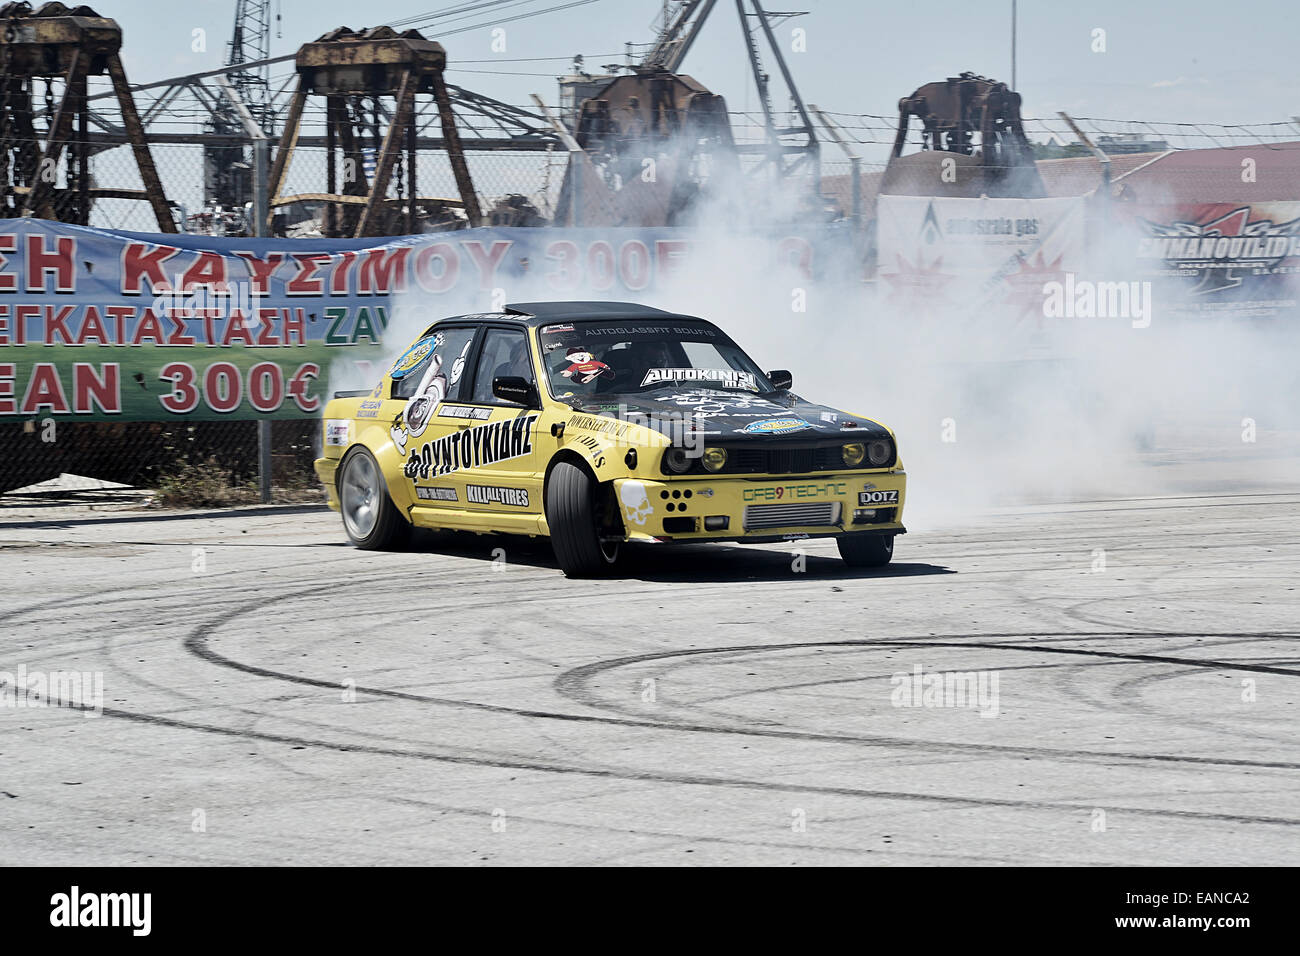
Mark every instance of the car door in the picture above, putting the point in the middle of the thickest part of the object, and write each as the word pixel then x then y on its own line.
pixel 421 432
pixel 499 441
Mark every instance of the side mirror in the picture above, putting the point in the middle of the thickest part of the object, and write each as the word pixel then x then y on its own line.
pixel 780 378
pixel 513 388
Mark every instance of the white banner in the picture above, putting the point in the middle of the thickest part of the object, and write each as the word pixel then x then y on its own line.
pixel 943 253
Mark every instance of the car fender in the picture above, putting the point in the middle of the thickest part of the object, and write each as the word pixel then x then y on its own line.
pixel 606 447
pixel 898 452
pixel 372 433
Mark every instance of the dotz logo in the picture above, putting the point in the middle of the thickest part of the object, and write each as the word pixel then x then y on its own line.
pixel 878 497
pixel 828 489
pixel 775 426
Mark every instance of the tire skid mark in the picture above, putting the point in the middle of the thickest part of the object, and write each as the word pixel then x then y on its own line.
pixel 571 684
pixel 685 779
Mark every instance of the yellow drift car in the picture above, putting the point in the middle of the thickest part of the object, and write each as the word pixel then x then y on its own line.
pixel 598 423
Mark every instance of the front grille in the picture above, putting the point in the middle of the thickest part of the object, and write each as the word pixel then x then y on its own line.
pixel 818 514
pixel 751 460
pixel 782 461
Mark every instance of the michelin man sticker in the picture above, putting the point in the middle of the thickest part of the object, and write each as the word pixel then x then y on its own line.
pixel 458 366
pixel 433 388
pixel 414 418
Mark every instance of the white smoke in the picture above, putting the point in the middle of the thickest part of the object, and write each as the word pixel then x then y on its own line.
pixel 1040 409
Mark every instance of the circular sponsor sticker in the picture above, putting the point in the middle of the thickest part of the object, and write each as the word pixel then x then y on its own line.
pixel 775 426
pixel 413 356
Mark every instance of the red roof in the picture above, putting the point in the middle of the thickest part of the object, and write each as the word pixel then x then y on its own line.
pixel 1177 176
pixel 1216 175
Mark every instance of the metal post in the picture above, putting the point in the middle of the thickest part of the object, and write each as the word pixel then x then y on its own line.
pixel 261 226
pixel 412 191
pixel 855 177
pixel 1103 221
pixel 260 216
pixel 1013 44
pixel 855 161
pixel 261 195
pixel 333 107
pixel 83 153
pixel 575 194
pixel 578 161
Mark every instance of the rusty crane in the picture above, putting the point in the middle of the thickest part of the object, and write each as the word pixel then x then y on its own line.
pixel 53 43
pixel 360 73
pixel 972 143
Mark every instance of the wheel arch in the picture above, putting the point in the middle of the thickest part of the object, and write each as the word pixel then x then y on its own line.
pixel 604 488
pixel 361 444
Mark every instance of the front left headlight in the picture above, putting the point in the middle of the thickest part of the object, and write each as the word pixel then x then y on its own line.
pixel 854 453
pixel 677 461
pixel 714 459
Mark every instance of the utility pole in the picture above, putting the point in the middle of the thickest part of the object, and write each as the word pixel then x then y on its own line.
pixel 1013 45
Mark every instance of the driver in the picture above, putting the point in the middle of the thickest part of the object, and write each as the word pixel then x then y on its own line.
pixel 516 364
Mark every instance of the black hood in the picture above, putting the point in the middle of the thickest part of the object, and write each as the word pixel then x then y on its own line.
pixel 730 415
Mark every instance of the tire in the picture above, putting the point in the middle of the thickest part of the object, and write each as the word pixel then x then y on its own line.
pixel 571 515
pixel 865 550
pixel 370 519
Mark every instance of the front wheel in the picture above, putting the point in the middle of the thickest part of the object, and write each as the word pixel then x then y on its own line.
pixel 575 532
pixel 865 550
pixel 370 518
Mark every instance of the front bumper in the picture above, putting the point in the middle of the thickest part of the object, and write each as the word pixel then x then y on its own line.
pixel 730 508
pixel 326 468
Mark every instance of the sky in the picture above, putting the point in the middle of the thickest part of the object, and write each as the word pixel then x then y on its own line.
pixel 1187 61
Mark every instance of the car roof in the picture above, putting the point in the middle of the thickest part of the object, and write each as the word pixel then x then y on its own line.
pixel 540 313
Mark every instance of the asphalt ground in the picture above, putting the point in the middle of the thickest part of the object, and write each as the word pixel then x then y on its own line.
pixel 270 695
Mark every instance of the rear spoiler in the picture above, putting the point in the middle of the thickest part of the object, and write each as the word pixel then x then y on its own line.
pixel 352 393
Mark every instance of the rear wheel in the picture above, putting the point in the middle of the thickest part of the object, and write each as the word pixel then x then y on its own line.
pixel 370 518
pixel 866 550
pixel 571 514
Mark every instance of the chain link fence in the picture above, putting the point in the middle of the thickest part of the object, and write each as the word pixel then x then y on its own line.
pixel 189 463
pixel 514 187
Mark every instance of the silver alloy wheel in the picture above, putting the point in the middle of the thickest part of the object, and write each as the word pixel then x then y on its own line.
pixel 359 494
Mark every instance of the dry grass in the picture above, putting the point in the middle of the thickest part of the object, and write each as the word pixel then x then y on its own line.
pixel 209 485
pixel 203 485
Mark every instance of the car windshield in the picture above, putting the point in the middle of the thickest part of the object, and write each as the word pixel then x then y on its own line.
pixel 618 357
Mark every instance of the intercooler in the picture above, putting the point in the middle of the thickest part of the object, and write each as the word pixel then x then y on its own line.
pixel 792 515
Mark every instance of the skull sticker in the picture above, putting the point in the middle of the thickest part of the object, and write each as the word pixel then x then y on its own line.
pixel 636 503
